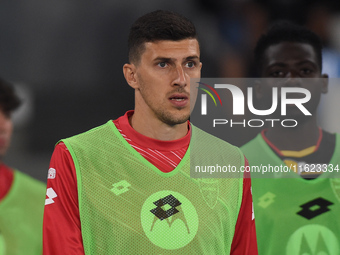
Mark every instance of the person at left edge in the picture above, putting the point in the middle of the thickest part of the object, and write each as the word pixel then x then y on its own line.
pixel 125 187
pixel 21 196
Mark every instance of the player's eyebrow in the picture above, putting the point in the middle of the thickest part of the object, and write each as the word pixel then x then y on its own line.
pixel 279 64
pixel 194 57
pixel 163 59
pixel 307 62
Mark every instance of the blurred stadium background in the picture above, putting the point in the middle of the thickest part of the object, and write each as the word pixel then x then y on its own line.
pixel 65 58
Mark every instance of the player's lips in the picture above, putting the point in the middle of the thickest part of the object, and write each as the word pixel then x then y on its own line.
pixel 179 99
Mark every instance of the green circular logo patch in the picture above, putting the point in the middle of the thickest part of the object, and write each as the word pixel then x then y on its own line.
pixel 169 219
pixel 313 239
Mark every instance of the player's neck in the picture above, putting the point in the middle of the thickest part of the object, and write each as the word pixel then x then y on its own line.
pixel 156 129
pixel 298 138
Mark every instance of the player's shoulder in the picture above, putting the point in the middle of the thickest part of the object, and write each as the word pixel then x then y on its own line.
pixel 253 142
pixel 28 183
pixel 90 133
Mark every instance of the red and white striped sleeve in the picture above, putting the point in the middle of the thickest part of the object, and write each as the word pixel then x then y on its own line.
pixel 61 225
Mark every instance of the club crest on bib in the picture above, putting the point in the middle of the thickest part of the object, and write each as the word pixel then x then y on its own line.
pixel 210 191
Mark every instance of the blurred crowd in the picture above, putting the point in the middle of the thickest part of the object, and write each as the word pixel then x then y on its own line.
pixel 66 58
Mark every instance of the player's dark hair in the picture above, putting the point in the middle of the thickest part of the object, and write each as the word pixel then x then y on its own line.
pixel 285 31
pixel 9 101
pixel 156 26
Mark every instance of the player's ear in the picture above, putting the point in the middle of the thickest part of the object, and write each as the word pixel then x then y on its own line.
pixel 324 81
pixel 129 71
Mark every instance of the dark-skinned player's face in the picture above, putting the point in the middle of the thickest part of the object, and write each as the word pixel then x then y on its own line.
pixel 296 64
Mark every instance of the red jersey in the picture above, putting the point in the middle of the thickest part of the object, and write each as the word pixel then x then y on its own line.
pixel 6 180
pixel 62 228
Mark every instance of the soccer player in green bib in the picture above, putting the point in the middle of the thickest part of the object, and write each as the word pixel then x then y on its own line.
pixel 21 196
pixel 297 212
pixel 125 187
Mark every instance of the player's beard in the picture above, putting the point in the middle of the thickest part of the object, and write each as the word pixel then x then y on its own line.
pixel 170 119
pixel 167 116
pixel 162 113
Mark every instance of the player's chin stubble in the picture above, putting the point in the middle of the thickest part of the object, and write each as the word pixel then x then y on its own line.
pixel 172 119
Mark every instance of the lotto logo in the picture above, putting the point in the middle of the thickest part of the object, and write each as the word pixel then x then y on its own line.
pixel 266 200
pixel 50 193
pixel 168 200
pixel 314 208
pixel 169 220
pixel 120 187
